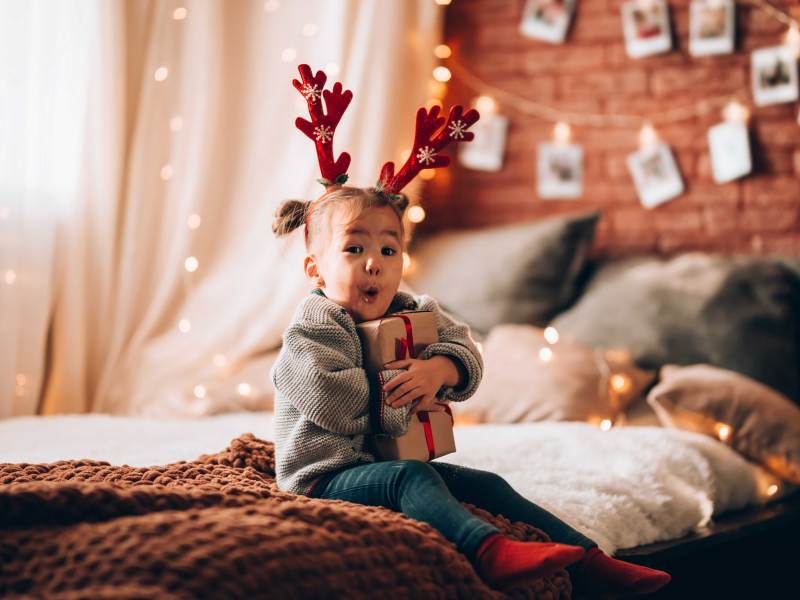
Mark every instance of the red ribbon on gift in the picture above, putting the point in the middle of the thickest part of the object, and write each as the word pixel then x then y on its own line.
pixel 424 418
pixel 405 347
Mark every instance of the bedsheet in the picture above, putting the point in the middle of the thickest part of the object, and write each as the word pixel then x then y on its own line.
pixel 623 488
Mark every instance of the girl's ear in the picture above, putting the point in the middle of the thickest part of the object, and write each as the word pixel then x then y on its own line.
pixel 312 271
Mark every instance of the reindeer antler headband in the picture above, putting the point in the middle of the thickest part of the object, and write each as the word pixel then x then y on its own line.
pixel 433 132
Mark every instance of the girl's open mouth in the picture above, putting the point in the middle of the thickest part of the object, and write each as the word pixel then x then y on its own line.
pixel 370 293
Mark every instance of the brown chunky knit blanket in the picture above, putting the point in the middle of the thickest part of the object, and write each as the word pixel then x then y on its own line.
pixel 219 527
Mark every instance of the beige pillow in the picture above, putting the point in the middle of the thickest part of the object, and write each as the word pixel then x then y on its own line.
pixel 528 379
pixel 755 420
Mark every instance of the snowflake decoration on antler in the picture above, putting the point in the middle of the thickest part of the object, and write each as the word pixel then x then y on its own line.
pixel 426 155
pixel 323 121
pixel 311 92
pixel 433 132
pixel 323 133
pixel 457 129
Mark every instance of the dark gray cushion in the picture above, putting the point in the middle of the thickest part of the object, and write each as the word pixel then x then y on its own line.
pixel 741 314
pixel 522 273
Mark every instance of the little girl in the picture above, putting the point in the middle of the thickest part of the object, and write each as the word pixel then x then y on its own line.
pixel 355 242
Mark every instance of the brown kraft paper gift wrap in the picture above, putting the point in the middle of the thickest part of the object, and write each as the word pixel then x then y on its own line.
pixel 395 337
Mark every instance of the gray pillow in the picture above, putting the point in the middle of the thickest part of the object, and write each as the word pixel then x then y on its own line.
pixel 741 314
pixel 522 273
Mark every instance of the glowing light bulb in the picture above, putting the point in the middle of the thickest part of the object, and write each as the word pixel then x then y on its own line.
pixel 734 111
pixel 620 383
pixel 545 354
pixel 427 174
pixel 723 431
pixel 309 29
pixel 442 74
pixel 185 326
pixel 416 214
pixel 486 105
pixel 562 132
pixel 191 264
pixel 194 220
pixel 647 135
pixel 176 123
pixel 10 277
pixel 406 261
pixel 166 172
pixel 332 69
pixel 179 14
pixel 244 389
pixel 199 391
pixel 403 155
pixel 442 51
pixel 443 2
pixel 772 490
pixel 220 360
pixel 288 54
pixel 605 424
pixel 161 73
pixel 551 335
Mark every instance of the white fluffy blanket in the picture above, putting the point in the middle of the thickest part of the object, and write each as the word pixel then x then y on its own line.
pixel 622 488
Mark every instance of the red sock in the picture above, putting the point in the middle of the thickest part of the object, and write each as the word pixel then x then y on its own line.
pixel 605 574
pixel 501 560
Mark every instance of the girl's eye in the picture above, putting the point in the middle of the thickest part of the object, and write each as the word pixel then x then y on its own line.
pixel 389 251
pixel 353 249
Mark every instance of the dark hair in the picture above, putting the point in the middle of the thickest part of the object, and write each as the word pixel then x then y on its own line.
pixel 292 214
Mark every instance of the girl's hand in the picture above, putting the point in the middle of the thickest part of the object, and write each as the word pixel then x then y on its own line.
pixel 422 381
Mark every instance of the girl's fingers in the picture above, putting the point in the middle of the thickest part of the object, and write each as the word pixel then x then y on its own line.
pixel 395 381
pixel 398 364
pixel 403 397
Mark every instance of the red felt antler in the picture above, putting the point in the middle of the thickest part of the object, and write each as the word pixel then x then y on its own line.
pixel 428 143
pixel 323 124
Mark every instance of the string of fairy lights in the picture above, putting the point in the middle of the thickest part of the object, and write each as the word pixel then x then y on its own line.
pixel 733 107
pixel 162 74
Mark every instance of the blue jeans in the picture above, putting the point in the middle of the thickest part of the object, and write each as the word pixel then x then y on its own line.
pixel 433 492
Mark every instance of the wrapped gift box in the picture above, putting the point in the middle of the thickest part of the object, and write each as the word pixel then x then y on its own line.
pixel 395 337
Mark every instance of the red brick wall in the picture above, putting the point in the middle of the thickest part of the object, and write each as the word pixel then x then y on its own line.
pixel 759 214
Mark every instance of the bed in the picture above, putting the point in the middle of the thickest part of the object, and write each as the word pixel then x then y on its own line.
pixel 649 494
pixel 196 511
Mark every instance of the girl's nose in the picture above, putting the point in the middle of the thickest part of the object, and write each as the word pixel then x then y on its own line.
pixel 373 266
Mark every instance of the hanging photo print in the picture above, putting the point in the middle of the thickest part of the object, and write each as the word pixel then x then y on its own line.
pixel 655 174
pixel 774 72
pixel 547 20
pixel 560 170
pixel 486 151
pixel 730 151
pixel 646 27
pixel 711 27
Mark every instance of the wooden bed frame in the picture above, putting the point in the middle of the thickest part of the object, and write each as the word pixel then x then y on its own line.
pixel 745 554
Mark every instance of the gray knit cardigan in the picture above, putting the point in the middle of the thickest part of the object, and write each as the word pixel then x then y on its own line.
pixel 322 393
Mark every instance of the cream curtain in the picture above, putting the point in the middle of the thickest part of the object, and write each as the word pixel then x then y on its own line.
pixel 185 146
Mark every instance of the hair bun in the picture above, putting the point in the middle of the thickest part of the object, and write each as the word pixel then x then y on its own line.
pixel 290 215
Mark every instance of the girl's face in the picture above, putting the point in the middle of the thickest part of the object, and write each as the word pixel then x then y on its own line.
pixel 361 263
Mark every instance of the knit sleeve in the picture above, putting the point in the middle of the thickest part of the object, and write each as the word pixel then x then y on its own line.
pixel 455 342
pixel 317 374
